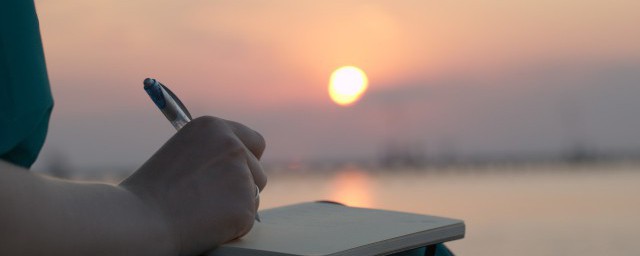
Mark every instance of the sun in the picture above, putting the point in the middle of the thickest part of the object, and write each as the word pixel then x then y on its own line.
pixel 347 84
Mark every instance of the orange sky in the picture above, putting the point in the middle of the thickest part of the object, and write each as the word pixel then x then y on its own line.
pixel 239 59
pixel 294 45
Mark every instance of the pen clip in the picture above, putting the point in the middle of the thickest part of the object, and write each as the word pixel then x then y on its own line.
pixel 175 98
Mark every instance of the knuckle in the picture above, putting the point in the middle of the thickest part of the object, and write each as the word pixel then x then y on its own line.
pixel 246 224
pixel 208 122
pixel 242 216
pixel 232 146
pixel 262 183
pixel 261 144
pixel 203 120
pixel 256 139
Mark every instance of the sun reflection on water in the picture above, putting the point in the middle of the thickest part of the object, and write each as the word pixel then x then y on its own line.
pixel 353 187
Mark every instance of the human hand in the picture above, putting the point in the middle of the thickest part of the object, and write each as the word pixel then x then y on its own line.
pixel 203 182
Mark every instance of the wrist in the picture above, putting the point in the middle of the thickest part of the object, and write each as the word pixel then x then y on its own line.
pixel 162 237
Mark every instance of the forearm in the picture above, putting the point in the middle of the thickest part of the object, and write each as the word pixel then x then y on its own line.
pixel 45 216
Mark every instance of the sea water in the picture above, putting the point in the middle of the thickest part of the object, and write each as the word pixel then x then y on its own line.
pixel 552 209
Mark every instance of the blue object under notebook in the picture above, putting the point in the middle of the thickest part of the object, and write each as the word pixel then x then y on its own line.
pixel 441 250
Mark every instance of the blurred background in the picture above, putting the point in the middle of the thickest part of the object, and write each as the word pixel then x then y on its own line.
pixel 519 117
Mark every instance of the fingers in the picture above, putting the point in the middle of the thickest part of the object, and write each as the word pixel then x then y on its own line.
pixel 259 177
pixel 250 138
pixel 256 144
pixel 230 133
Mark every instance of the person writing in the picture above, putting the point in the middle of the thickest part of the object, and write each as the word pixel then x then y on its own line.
pixel 196 192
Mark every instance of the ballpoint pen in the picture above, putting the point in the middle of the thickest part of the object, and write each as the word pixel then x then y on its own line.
pixel 168 103
pixel 173 109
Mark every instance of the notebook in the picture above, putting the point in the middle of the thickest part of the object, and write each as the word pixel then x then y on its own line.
pixel 323 229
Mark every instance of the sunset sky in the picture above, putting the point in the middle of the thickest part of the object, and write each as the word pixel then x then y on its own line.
pixel 464 77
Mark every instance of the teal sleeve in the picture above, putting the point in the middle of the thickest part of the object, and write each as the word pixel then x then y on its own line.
pixel 25 96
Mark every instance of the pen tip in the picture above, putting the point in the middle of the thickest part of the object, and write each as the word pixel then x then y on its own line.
pixel 155 92
pixel 149 82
